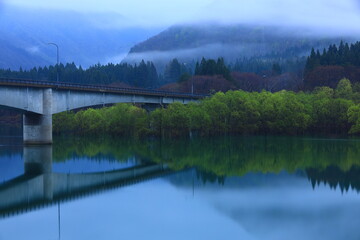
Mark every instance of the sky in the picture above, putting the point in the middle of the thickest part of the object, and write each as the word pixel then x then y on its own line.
pixel 330 14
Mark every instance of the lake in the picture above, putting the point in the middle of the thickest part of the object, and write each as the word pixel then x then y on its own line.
pixel 219 188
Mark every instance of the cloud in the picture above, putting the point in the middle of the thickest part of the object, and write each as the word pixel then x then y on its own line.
pixel 114 59
pixel 139 12
pixel 343 16
pixel 33 49
pixel 332 15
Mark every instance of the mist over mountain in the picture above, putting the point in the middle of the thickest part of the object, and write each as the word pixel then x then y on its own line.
pixel 234 41
pixel 83 38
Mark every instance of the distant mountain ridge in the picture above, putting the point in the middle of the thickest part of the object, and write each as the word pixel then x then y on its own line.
pixel 86 39
pixel 189 42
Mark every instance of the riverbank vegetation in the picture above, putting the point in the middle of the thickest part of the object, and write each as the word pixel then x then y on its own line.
pixel 325 110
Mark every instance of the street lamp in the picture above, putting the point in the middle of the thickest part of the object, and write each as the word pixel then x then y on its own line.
pixel 57 60
pixel 192 82
pixel 192 85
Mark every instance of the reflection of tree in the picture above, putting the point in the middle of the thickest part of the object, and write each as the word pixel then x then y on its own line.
pixel 222 156
pixel 210 177
pixel 335 177
pixel 195 177
pixel 97 148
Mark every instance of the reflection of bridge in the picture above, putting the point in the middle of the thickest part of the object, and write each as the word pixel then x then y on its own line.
pixel 40 187
pixel 39 100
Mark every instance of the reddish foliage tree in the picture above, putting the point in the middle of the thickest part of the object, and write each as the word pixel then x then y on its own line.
pixel 248 81
pixel 330 76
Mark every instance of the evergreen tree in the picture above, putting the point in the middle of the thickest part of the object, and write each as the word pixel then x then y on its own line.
pixel 276 69
pixel 211 67
pixel 172 71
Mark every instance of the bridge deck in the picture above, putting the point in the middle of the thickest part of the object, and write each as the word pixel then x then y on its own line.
pixel 94 88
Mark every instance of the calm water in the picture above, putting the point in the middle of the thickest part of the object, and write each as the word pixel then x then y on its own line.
pixel 222 188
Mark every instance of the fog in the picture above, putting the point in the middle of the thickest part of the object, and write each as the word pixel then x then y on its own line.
pixel 208 51
pixel 230 52
pixel 89 32
pixel 330 15
pixel 231 43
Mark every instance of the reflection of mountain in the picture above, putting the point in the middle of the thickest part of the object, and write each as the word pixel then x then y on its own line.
pixel 335 177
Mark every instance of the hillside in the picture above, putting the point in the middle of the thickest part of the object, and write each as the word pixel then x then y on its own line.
pixel 188 43
pixel 85 39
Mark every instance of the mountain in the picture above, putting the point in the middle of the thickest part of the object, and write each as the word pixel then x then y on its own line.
pixel 192 42
pixel 85 39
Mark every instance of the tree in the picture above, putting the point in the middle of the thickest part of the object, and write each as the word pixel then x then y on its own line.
pixel 172 71
pixel 344 89
pixel 211 67
pixel 276 69
pixel 354 117
pixel 343 60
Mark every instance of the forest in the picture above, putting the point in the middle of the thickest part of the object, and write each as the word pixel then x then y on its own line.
pixel 250 74
pixel 143 74
pixel 323 111
pixel 327 67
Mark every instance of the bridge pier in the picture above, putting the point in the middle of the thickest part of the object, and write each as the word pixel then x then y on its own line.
pixel 37 128
pixel 38 161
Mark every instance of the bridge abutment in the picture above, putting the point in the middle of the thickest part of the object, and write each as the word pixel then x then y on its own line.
pixel 37 128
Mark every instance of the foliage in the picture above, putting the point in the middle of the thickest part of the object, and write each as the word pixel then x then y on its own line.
pixel 354 117
pixel 211 67
pixel 325 110
pixel 269 66
pixel 120 119
pixel 143 74
pixel 324 69
pixel 175 71
pixel 344 89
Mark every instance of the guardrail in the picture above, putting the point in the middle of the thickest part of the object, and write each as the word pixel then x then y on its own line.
pixel 95 88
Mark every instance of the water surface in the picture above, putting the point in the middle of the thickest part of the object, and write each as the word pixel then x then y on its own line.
pixel 218 188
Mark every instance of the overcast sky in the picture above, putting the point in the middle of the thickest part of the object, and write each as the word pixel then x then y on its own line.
pixel 330 14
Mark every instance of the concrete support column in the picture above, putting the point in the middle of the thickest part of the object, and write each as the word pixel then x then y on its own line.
pixel 38 127
pixel 38 161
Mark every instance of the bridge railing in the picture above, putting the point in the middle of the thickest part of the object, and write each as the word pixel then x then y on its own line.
pixel 94 88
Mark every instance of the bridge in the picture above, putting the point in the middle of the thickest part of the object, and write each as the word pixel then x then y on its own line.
pixel 39 100
pixel 39 187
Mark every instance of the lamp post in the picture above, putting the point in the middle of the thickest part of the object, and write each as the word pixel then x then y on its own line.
pixel 192 86
pixel 57 60
pixel 192 82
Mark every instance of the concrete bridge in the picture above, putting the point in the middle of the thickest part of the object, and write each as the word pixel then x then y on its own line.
pixel 40 187
pixel 39 100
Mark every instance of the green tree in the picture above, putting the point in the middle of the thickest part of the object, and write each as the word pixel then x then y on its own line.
pixel 354 118
pixel 344 89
